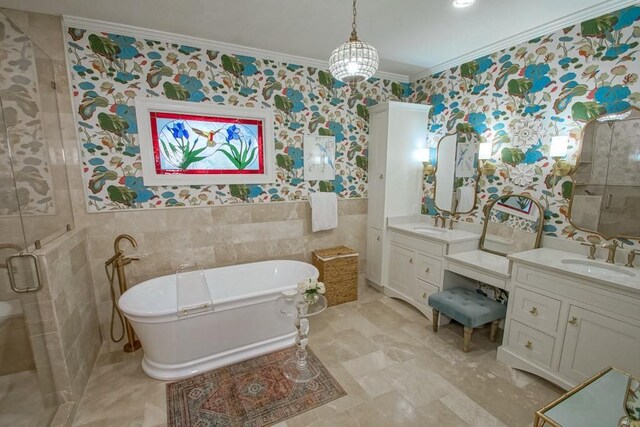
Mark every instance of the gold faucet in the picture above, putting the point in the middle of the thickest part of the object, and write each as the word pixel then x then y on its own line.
pixel 592 250
pixel 119 261
pixel 611 258
pixel 631 257
pixel 451 222
pixel 116 247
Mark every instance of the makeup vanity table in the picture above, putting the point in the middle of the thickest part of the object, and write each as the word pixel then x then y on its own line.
pixel 567 318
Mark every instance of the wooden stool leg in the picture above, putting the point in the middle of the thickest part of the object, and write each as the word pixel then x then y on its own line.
pixel 467 339
pixel 436 316
pixel 494 331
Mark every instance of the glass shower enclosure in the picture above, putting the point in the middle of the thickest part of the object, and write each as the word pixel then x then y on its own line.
pixel 35 207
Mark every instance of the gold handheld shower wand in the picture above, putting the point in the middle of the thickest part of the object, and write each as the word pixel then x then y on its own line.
pixel 117 263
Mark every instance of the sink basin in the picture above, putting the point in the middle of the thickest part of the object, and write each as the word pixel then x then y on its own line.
pixel 598 269
pixel 429 230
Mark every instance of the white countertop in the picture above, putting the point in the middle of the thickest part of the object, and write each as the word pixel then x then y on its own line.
pixel 493 264
pixel 425 230
pixel 552 260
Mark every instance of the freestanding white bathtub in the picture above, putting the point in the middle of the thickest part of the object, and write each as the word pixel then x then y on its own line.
pixel 243 323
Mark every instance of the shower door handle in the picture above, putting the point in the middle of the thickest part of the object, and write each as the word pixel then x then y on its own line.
pixel 12 277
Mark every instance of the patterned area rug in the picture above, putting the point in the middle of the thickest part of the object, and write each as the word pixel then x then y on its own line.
pixel 249 394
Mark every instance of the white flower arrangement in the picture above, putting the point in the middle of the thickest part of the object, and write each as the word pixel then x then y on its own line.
pixel 311 287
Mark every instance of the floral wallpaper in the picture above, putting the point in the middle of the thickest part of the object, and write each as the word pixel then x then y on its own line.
pixel 520 97
pixel 108 71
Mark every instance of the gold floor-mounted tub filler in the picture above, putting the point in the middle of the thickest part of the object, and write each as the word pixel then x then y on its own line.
pixel 117 263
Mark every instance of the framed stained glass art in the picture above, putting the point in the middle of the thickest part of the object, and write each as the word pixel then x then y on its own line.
pixel 199 144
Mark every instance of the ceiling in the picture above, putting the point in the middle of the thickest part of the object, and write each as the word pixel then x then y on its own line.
pixel 411 35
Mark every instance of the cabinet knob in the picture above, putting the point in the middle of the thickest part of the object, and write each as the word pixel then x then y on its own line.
pixel 424 295
pixel 410 260
pixel 534 311
pixel 427 270
pixel 381 176
pixel 378 238
pixel 573 321
pixel 529 345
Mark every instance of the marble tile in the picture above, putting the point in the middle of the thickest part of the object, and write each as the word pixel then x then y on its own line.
pixel 469 411
pixel 438 414
pixel 395 371
pixel 368 363
pixel 389 409
pixel 342 419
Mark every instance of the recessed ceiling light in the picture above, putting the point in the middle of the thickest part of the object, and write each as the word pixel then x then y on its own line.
pixel 463 3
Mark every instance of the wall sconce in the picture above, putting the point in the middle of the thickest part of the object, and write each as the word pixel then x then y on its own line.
pixel 484 154
pixel 423 156
pixel 558 150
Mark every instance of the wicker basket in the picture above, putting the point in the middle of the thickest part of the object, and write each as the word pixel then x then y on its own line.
pixel 339 271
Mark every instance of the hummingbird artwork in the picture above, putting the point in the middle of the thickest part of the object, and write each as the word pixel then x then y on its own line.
pixel 209 135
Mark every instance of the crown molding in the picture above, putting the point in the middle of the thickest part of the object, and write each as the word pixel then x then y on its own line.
pixel 112 27
pixel 525 36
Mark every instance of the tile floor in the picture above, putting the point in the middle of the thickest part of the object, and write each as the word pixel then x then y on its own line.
pixel 21 403
pixel 395 370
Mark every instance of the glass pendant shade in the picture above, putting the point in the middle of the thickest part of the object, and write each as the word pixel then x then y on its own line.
pixel 353 61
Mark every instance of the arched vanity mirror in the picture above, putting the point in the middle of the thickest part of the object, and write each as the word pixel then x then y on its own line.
pixel 605 197
pixel 456 174
pixel 513 223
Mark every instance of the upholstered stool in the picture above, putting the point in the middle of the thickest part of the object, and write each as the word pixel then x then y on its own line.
pixel 469 308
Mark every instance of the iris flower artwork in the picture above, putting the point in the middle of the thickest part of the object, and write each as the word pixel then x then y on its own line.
pixel 466 159
pixel 190 144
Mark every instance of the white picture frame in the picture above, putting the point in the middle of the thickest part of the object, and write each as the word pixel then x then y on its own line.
pixel 319 158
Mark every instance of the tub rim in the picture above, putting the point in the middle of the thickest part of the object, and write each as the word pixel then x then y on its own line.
pixel 171 314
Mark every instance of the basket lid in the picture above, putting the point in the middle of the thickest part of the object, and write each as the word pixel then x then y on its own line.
pixel 337 252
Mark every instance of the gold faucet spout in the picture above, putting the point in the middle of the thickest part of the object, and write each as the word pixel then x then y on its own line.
pixel 613 246
pixel 116 243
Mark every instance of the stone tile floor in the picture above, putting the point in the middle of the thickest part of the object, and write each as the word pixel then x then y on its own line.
pixel 395 370
pixel 21 402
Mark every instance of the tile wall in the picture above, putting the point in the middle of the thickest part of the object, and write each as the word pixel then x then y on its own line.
pixel 68 318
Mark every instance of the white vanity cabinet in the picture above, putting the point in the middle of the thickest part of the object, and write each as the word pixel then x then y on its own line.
pixel 594 340
pixel 566 328
pixel 396 131
pixel 415 265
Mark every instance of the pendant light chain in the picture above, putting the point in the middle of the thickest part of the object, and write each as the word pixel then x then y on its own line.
pixel 354 33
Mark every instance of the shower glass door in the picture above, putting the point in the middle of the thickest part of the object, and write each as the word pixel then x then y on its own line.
pixel 27 396
pixel 34 209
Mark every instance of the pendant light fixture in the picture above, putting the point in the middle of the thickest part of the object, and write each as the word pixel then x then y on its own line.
pixel 355 60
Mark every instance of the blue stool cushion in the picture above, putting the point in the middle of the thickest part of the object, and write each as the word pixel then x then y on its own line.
pixel 467 307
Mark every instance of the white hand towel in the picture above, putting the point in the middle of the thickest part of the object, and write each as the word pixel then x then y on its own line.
pixel 466 198
pixel 324 211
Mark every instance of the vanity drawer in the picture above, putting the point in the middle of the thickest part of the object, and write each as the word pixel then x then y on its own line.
pixel 422 245
pixel 423 290
pixel 537 310
pixel 530 343
pixel 429 269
